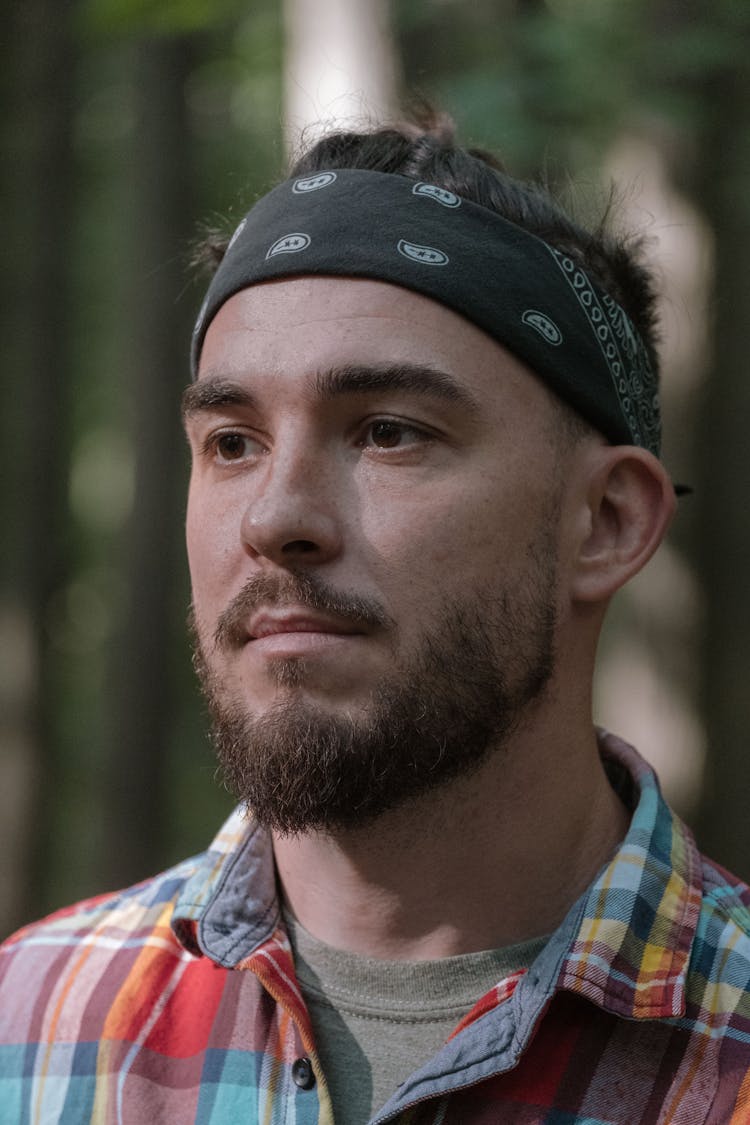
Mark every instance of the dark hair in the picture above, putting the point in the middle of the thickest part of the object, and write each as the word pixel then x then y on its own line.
pixel 427 150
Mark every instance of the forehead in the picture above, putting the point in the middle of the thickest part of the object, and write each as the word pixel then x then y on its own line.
pixel 302 326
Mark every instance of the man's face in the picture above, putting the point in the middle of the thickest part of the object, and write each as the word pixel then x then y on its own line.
pixel 372 533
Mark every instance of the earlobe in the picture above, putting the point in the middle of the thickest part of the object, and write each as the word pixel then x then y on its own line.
pixel 629 502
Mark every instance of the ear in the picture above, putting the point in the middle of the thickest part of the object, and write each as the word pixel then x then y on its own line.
pixel 629 505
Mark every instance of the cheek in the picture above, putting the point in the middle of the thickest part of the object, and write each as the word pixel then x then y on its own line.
pixel 211 535
pixel 441 535
pixel 464 536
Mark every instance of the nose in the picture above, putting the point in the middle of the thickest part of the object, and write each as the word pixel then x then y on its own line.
pixel 292 515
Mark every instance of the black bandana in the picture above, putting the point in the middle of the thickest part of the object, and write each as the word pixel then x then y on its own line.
pixel 527 295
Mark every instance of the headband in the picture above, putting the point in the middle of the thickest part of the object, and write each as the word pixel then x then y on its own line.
pixel 530 297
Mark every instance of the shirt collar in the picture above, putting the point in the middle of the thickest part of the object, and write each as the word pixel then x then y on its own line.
pixel 635 925
pixel 627 941
pixel 230 905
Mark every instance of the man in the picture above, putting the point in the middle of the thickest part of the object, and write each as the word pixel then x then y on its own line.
pixel 425 434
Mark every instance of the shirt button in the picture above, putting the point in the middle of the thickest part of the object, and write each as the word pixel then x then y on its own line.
pixel 303 1074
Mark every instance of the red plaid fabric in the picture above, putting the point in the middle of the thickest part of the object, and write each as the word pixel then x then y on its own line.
pixel 176 1001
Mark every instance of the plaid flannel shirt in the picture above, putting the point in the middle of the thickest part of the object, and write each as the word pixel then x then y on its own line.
pixel 176 1001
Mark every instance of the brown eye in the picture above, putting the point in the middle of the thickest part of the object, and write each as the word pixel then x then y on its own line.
pixel 231 447
pixel 386 435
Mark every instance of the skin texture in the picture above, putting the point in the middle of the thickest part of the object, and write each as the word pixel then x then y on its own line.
pixel 404 496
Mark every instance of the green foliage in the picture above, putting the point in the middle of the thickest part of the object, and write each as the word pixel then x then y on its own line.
pixel 552 83
pixel 155 17
pixel 536 82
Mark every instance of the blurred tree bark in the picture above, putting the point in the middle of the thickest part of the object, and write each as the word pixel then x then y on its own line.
pixel 142 682
pixel 339 65
pixel 37 175
pixel 723 469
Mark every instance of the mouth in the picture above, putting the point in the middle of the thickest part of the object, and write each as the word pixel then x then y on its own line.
pixel 269 607
pixel 288 622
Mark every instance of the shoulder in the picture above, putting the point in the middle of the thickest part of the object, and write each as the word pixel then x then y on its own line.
pixel 82 954
pixel 723 931
pixel 130 912
pixel 718 983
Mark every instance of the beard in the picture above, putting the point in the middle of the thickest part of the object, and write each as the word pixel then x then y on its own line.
pixel 436 716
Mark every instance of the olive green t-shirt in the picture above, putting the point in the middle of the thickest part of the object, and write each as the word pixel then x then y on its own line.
pixel 375 1022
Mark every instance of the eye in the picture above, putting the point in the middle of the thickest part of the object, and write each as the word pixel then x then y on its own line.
pixel 231 446
pixel 385 433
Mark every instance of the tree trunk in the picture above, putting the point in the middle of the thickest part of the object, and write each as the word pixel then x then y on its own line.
pixel 35 448
pixel 142 685
pixel 339 65
pixel 724 474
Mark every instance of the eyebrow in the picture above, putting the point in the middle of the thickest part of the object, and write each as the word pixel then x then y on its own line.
pixel 216 392
pixel 414 378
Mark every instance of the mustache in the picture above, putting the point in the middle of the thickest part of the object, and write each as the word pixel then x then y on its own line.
pixel 305 590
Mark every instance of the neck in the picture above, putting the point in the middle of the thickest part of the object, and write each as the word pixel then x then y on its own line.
pixel 491 860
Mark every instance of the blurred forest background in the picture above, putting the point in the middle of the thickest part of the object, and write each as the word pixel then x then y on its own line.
pixel 127 123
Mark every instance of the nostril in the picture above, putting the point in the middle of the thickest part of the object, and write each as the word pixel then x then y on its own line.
pixel 299 547
pixel 289 527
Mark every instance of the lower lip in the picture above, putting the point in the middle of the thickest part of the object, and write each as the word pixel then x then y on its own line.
pixel 299 644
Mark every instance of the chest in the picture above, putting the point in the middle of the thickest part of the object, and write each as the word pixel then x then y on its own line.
pixel 219 1049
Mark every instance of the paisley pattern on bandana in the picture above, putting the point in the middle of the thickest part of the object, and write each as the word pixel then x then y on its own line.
pixel 633 377
pixel 531 298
